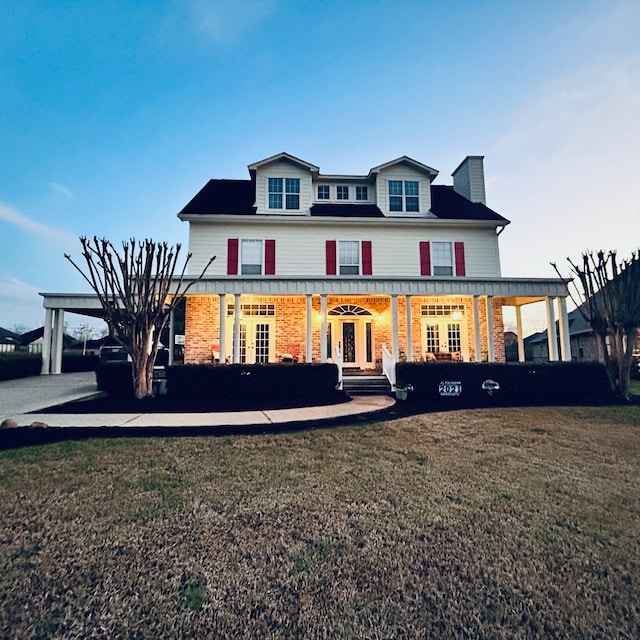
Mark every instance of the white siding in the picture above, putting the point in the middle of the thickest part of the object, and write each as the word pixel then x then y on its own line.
pixel 282 169
pixel 300 245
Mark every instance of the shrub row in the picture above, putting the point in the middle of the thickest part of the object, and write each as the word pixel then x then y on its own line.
pixel 461 384
pixel 19 365
pixel 232 385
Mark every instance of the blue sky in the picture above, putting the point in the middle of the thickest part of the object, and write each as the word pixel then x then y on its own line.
pixel 114 114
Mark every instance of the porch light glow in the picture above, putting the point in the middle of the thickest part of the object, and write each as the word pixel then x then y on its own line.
pixel 457 315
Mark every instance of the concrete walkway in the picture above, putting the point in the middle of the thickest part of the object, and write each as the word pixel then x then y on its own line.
pixel 20 398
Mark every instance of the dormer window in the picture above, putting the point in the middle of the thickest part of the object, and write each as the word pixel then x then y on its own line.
pixel 403 195
pixel 342 192
pixel 323 192
pixel 287 187
pixel 362 193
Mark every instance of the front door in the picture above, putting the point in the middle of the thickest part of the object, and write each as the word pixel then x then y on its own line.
pixel 354 336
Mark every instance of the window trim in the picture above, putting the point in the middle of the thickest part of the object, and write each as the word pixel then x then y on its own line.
pixel 339 189
pixel 328 190
pixel 364 192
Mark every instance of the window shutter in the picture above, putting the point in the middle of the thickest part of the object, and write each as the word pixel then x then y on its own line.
pixel 367 265
pixel 331 257
pixel 232 257
pixel 269 257
pixel 459 253
pixel 425 259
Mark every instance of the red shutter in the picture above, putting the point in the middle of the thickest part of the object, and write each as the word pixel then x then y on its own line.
pixel 425 259
pixel 367 265
pixel 269 257
pixel 459 251
pixel 331 257
pixel 232 257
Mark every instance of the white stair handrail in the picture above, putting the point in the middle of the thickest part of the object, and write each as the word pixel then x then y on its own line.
pixel 389 366
pixel 338 360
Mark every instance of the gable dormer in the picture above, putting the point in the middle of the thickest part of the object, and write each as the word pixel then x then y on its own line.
pixel 283 185
pixel 403 187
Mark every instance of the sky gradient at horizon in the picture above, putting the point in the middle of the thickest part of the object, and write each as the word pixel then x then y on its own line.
pixel 113 115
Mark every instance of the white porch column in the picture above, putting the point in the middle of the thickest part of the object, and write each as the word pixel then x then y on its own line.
pixel 552 336
pixel 323 327
pixel 491 352
pixel 46 342
pixel 409 329
pixel 236 329
pixel 521 353
pixel 172 336
pixel 476 327
pixel 309 354
pixel 56 351
pixel 394 327
pixel 222 332
pixel 565 338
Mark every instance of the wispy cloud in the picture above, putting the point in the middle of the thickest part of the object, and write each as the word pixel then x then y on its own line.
pixel 12 217
pixel 226 20
pixel 62 189
pixel 17 290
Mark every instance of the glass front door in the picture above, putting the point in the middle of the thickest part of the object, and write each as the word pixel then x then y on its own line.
pixel 444 336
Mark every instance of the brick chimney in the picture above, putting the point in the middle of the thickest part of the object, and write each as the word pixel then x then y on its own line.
pixel 468 179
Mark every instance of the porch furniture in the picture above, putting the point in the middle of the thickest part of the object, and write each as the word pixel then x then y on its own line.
pixel 443 356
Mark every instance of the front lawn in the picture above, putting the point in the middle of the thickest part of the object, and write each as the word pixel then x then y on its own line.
pixel 502 523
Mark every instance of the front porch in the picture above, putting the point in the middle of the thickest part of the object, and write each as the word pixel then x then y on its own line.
pixel 361 321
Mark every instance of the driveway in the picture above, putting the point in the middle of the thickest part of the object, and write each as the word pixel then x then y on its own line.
pixel 38 392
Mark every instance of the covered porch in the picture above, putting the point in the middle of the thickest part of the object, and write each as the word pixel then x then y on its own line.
pixel 371 323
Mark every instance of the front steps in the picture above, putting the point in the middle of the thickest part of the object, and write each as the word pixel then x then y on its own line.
pixel 361 385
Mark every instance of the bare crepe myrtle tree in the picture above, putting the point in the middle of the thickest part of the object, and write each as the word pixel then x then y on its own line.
pixel 138 291
pixel 607 292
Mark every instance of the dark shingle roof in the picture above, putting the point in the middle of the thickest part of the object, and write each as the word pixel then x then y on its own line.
pixel 449 205
pixel 237 197
pixel 347 210
pixel 223 196
pixel 9 337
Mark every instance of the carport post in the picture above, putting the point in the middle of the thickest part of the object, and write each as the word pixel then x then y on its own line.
pixel 46 343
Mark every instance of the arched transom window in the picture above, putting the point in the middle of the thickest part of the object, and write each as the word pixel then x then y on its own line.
pixel 349 310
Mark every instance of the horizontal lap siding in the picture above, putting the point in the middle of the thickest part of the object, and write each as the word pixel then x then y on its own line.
pixel 282 170
pixel 302 252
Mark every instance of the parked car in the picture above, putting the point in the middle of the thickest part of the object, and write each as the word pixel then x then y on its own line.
pixel 117 353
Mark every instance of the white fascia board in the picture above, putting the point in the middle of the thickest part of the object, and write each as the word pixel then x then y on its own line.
pixel 284 156
pixel 418 166
pixel 339 221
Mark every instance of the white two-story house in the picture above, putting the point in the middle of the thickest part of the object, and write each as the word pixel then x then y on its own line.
pixel 317 267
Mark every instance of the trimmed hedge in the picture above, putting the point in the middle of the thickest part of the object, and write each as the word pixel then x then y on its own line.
pixel 115 379
pixel 19 365
pixel 253 385
pixel 519 384
pixel 231 386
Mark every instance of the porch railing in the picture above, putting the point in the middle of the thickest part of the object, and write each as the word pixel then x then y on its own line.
pixel 389 366
pixel 338 360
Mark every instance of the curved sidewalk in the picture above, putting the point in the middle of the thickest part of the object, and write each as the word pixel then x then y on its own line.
pixel 20 399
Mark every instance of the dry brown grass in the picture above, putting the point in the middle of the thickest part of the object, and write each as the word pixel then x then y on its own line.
pixel 509 523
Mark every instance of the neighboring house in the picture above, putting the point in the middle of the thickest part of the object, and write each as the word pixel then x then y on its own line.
pixel 354 268
pixel 32 341
pixel 583 341
pixel 8 340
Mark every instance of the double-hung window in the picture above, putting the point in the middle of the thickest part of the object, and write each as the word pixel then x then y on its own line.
pixel 342 192
pixel 251 257
pixel 284 191
pixel 362 193
pixel 404 195
pixel 349 258
pixel 323 192
pixel 442 258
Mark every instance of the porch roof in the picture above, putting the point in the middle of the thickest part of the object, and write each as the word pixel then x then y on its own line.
pixel 513 291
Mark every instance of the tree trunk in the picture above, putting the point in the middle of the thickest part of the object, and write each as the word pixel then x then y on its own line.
pixel 142 369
